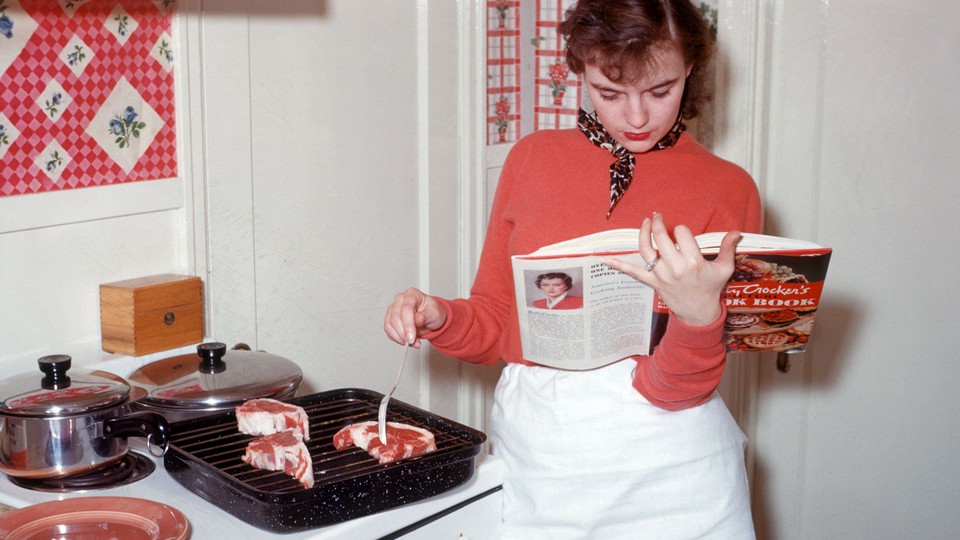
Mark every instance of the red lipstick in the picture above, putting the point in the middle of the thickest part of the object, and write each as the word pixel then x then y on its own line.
pixel 637 136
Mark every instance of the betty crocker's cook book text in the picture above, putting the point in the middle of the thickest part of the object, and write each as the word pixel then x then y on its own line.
pixel 606 315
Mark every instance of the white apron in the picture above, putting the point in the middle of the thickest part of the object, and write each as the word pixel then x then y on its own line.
pixel 588 457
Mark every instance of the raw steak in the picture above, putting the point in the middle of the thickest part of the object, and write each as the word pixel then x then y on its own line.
pixel 283 451
pixel 403 440
pixel 266 416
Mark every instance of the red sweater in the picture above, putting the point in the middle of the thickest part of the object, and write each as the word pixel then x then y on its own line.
pixel 555 185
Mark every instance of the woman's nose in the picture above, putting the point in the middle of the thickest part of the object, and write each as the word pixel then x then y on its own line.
pixel 636 112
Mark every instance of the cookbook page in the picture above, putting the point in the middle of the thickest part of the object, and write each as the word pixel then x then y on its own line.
pixel 602 316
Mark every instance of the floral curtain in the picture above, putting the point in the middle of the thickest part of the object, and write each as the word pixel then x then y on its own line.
pixel 503 70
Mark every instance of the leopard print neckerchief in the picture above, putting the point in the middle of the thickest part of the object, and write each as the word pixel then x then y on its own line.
pixel 621 170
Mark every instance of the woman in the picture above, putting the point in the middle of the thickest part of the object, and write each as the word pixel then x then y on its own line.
pixel 555 286
pixel 643 447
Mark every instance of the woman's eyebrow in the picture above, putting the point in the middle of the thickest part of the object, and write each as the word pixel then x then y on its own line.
pixel 669 82
pixel 605 88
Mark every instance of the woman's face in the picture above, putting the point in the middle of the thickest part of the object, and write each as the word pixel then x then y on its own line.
pixel 639 113
pixel 552 287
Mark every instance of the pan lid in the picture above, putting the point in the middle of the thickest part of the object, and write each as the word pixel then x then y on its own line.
pixel 215 378
pixel 54 393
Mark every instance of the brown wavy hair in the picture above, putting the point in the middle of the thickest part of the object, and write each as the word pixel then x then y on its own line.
pixel 623 37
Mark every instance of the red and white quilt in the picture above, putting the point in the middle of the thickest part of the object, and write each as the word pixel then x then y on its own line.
pixel 86 93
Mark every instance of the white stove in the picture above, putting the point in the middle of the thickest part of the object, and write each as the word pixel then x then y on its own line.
pixel 470 511
pixel 478 518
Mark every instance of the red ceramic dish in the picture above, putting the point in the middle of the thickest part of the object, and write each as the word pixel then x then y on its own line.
pixel 123 518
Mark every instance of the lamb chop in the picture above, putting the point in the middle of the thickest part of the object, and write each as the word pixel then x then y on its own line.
pixel 282 451
pixel 265 416
pixel 403 440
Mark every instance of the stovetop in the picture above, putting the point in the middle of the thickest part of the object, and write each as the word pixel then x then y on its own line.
pixel 209 521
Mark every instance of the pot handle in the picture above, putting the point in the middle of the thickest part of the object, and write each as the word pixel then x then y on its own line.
pixel 151 425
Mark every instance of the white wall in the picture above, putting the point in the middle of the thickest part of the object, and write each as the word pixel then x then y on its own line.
pixel 332 149
pixel 50 276
pixel 853 112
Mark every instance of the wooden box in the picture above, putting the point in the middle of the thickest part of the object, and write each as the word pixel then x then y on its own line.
pixel 150 314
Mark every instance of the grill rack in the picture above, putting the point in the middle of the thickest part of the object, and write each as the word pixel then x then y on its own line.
pixel 205 457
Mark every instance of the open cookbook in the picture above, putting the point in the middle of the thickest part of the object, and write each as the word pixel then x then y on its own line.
pixel 577 313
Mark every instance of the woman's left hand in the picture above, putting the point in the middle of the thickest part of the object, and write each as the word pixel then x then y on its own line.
pixel 688 283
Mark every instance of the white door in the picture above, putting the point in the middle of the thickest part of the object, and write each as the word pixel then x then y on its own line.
pixel 850 124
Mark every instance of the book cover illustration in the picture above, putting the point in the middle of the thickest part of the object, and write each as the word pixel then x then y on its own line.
pixel 772 300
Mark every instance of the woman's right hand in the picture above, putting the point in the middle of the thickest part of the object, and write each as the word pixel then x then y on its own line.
pixel 412 313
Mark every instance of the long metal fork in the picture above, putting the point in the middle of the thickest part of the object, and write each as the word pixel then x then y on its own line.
pixel 382 413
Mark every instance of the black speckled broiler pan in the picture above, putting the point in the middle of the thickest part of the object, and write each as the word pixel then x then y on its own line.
pixel 204 457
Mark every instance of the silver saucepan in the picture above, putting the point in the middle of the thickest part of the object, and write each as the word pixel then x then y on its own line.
pixel 54 425
pixel 213 381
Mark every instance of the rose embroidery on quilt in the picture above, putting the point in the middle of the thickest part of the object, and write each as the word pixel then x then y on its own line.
pixel 52 105
pixel 54 162
pixel 126 126
pixel 86 93
pixel 165 51
pixel 122 22
pixel 77 56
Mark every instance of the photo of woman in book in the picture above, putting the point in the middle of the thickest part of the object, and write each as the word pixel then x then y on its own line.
pixel 555 286
pixel 643 447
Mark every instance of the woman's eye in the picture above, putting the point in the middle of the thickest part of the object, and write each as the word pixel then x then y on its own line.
pixel 660 94
pixel 608 97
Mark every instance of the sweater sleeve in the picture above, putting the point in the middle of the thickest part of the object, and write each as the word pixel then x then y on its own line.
pixel 471 331
pixel 687 366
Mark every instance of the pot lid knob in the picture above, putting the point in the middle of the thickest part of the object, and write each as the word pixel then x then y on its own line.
pixel 55 368
pixel 211 357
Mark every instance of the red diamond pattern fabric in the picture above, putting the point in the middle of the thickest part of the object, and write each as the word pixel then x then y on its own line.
pixel 44 58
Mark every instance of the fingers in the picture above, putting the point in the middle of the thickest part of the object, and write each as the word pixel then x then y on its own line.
pixel 646 247
pixel 728 248
pixel 400 322
pixel 678 252
pixel 685 280
pixel 653 233
pixel 667 250
pixel 675 255
pixel 411 313
pixel 392 326
pixel 686 244
pixel 633 270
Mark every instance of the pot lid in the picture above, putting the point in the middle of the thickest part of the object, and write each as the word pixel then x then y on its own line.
pixel 53 392
pixel 215 378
